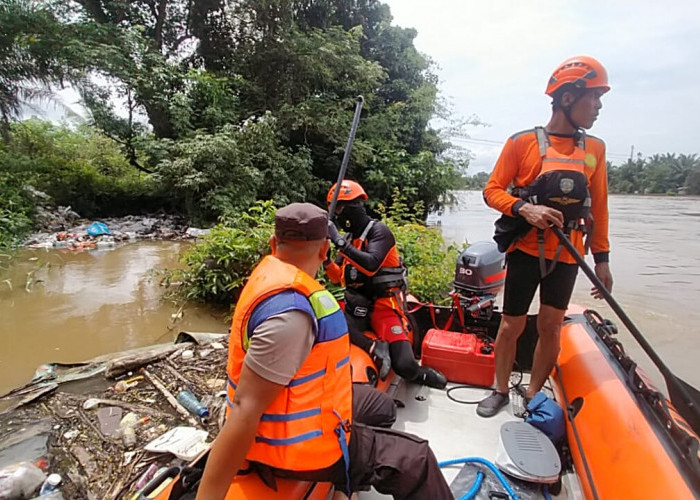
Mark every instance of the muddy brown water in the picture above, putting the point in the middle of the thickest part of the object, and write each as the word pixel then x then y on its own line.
pixel 655 262
pixel 80 305
pixel 67 307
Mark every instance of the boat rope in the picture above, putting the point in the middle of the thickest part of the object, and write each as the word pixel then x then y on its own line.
pixel 488 464
pixel 570 414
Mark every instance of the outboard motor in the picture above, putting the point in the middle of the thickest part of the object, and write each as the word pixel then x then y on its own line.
pixel 479 276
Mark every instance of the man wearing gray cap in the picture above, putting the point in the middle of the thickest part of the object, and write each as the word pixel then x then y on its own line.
pixel 290 390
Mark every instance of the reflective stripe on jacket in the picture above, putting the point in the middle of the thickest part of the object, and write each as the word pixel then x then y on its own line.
pixel 521 162
pixel 298 430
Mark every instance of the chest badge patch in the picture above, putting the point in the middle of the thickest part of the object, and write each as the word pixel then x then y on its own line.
pixel 566 185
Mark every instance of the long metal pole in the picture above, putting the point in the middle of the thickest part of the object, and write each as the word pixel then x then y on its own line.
pixel 359 101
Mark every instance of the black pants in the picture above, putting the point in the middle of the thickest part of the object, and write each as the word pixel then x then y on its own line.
pixel 394 463
pixel 372 407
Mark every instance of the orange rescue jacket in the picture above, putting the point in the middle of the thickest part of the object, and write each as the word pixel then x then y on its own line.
pixel 300 429
pixel 519 165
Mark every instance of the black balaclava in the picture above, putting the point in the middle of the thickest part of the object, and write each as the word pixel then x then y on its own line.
pixel 353 218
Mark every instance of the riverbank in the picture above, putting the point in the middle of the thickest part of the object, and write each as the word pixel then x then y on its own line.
pixel 66 230
pixel 76 420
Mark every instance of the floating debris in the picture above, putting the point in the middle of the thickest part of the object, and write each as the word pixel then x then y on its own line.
pixel 106 444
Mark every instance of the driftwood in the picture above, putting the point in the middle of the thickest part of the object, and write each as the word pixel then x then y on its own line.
pixel 169 397
pixel 133 361
pixel 135 407
pixel 31 396
pixel 175 374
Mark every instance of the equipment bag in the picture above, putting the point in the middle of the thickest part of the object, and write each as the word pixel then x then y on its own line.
pixel 547 416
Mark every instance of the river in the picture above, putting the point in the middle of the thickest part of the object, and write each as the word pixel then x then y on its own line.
pixel 655 262
pixel 62 306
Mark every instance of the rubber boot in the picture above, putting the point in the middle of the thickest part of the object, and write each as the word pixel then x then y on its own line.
pixel 381 357
pixel 430 377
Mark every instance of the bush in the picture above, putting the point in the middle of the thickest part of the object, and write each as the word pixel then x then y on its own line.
pixel 217 267
pixel 16 207
pixel 429 260
pixel 223 173
pixel 80 168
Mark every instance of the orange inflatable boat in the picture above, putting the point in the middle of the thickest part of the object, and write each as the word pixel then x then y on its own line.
pixel 626 439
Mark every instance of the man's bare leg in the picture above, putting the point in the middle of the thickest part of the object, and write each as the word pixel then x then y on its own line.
pixel 549 321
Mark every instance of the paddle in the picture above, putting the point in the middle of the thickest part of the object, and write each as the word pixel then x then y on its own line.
pixel 359 101
pixel 684 397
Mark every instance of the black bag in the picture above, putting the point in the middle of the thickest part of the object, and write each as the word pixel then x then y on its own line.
pixel 508 229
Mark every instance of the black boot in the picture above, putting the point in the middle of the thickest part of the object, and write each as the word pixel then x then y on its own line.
pixel 430 377
pixel 379 352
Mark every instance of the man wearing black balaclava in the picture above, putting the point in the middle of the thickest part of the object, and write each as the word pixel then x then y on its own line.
pixel 370 268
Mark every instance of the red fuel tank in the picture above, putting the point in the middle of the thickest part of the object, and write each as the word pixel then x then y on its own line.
pixel 462 357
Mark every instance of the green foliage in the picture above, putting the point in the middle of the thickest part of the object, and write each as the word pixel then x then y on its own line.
pixel 217 266
pixel 16 207
pixel 222 174
pixel 80 168
pixel 196 66
pixel 30 57
pixel 429 260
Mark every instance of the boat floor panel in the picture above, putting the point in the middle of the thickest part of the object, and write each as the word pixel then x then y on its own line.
pixel 454 430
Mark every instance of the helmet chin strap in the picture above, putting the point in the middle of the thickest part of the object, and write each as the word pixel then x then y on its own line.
pixel 567 114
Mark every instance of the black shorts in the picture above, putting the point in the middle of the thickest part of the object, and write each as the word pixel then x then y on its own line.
pixel 523 278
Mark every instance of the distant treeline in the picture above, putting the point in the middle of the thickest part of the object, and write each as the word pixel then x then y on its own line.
pixel 658 174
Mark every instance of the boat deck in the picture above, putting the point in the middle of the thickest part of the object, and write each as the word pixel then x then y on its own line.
pixel 454 431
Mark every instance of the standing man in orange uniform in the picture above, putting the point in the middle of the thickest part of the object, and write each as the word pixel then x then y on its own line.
pixel 290 394
pixel 559 178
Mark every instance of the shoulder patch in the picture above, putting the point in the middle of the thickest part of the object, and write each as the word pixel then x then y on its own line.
pixel 590 161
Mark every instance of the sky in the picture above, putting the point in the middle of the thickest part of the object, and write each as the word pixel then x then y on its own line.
pixel 494 57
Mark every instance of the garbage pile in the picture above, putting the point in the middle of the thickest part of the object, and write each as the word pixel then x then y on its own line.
pixel 107 233
pixel 103 429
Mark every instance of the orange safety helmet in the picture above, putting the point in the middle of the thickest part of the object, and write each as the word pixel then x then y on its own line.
pixel 349 190
pixel 581 71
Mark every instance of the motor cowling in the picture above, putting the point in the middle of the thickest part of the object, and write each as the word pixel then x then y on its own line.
pixel 480 270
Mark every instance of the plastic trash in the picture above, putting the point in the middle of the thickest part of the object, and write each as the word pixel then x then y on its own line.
pixel 51 484
pixel 97 228
pixel 185 443
pixel 20 480
pixel 54 495
pixel 127 426
pixel 146 476
pixel 192 404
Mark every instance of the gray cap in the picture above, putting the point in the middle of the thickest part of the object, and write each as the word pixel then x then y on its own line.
pixel 302 222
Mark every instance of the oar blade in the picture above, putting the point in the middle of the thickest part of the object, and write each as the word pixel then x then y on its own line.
pixel 686 400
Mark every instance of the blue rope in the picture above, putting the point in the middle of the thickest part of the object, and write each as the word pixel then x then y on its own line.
pixel 475 487
pixel 545 492
pixel 488 464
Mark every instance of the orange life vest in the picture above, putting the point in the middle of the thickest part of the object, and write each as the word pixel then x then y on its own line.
pixel 303 427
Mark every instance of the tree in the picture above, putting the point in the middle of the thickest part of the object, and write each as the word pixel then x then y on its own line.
pixel 30 58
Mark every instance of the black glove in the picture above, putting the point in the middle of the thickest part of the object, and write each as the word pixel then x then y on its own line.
pixel 335 237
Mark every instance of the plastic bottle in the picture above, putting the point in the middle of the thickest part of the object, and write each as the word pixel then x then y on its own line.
pixel 20 480
pixel 127 426
pixel 51 484
pixel 192 404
